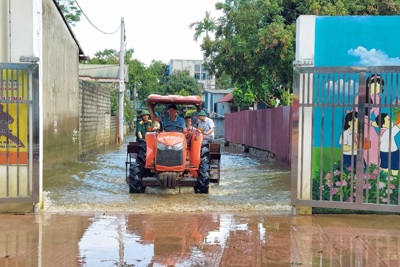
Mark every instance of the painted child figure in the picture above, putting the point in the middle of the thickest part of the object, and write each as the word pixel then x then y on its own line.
pixel 348 139
pixel 388 146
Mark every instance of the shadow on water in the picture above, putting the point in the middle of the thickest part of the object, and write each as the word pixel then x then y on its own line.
pixel 248 183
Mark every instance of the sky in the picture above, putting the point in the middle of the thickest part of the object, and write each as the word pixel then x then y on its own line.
pixel 155 29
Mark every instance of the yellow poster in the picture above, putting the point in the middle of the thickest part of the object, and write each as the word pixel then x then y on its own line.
pixel 13 117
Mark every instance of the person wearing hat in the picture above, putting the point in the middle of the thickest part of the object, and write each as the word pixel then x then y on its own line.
pixel 145 125
pixel 173 119
pixel 206 126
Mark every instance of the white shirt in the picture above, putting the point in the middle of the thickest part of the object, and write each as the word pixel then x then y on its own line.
pixel 206 125
pixel 347 138
pixel 385 139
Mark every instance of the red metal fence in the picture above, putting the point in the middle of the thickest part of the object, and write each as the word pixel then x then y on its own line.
pixel 266 129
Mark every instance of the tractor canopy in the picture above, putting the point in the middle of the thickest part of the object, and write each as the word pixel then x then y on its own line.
pixel 155 99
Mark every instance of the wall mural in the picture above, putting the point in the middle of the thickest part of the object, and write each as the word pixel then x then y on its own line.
pixel 356 41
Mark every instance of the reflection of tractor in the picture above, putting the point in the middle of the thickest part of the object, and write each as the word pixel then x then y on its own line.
pixel 168 159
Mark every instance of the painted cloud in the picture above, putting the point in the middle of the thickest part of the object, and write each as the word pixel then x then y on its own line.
pixel 373 57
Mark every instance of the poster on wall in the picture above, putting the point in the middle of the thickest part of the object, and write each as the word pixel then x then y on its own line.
pixel 356 41
pixel 13 117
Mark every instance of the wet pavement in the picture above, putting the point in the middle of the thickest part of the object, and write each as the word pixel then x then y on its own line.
pixel 89 219
pixel 198 239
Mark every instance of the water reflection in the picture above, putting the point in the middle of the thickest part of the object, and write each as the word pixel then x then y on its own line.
pixel 198 240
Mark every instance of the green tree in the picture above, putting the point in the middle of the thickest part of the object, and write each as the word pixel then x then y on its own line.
pixel 107 56
pixel 207 25
pixel 254 41
pixel 111 56
pixel 71 12
pixel 180 82
pixel 148 80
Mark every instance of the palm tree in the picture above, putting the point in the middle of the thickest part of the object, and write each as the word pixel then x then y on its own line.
pixel 208 24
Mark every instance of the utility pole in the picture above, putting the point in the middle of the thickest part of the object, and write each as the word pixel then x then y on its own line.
pixel 121 85
pixel 134 97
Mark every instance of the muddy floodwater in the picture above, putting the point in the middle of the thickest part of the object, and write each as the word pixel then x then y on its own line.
pixel 248 183
pixel 90 220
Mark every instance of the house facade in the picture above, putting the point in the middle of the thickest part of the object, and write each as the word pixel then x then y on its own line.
pixel 213 105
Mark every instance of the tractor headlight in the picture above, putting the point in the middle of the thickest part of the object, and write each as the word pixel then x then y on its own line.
pixel 178 146
pixel 175 147
pixel 161 146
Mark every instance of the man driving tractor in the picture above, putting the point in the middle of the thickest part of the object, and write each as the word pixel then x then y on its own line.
pixel 173 119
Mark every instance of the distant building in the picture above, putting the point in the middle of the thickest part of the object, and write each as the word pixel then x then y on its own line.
pixel 196 70
pixel 219 102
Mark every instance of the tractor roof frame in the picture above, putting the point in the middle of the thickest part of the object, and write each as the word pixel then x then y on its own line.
pixel 155 99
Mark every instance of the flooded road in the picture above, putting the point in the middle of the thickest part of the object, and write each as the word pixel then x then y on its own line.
pixel 248 183
pixel 90 220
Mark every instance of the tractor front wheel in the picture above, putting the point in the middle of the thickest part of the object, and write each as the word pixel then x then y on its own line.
pixel 134 180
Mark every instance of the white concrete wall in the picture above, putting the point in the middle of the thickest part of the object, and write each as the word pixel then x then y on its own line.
pixel 305 46
pixel 60 68
pixel 305 40
pixel 3 30
pixel 20 24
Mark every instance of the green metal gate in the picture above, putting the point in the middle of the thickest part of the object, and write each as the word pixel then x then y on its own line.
pixel 19 133
pixel 345 145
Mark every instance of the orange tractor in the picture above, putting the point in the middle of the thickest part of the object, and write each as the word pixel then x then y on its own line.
pixel 170 158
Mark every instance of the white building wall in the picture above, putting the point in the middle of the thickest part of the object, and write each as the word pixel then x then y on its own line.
pixel 305 40
pixel 20 26
pixel 189 64
pixel 3 30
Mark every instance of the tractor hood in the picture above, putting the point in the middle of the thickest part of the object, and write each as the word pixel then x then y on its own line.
pixel 170 138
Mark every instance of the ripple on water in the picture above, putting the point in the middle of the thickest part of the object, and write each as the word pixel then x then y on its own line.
pixel 98 184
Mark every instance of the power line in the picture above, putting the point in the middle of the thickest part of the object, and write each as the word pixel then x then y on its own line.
pixel 93 24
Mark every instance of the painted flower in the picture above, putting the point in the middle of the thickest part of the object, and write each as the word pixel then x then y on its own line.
pixel 349 168
pixel 392 186
pixel 384 199
pixel 367 186
pixel 389 178
pixel 336 173
pixel 381 185
pixel 334 191
pixel 341 183
pixel 329 183
pixel 328 176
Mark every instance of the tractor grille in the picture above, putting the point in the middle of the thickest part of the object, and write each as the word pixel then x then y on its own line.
pixel 169 158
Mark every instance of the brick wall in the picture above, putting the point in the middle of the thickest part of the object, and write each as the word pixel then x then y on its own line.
pixel 95 121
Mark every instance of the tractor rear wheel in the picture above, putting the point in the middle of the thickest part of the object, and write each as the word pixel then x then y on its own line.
pixel 203 182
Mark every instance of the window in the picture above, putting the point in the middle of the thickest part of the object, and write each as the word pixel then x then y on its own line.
pixel 199 72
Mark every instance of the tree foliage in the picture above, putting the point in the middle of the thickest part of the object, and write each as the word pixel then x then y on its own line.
pixel 181 83
pixel 153 79
pixel 71 12
pixel 254 41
